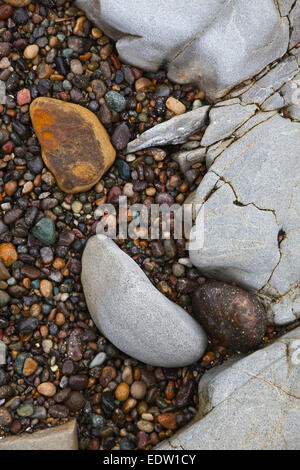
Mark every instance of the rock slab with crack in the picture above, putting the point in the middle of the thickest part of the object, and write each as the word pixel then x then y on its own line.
pixel 251 201
pixel 248 404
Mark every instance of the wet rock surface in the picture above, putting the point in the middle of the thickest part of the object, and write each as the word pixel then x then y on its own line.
pixel 231 315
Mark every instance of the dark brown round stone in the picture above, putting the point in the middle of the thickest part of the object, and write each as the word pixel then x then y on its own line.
pixel 230 314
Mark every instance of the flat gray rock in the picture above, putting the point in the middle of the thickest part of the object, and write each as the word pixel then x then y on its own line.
pixel 62 437
pixel 208 42
pixel 175 131
pixel 248 404
pixel 224 120
pixel 187 158
pixel 132 313
pixel 250 195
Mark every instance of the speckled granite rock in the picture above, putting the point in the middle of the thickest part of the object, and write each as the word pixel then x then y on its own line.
pixel 62 437
pixel 132 313
pixel 248 404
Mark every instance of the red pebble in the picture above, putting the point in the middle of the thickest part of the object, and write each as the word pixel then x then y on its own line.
pixel 23 97
pixel 8 147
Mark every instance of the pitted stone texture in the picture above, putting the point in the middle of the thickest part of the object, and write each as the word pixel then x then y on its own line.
pixel 62 437
pixel 132 313
pixel 175 131
pixel 218 43
pixel 250 195
pixel 248 404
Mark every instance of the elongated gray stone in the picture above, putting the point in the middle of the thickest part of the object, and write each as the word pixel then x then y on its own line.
pixel 175 131
pixel 132 313
pixel 248 404
pixel 224 120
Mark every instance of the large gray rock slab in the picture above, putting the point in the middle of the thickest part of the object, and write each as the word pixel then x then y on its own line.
pixel 132 313
pixel 208 42
pixel 248 404
pixel 250 195
pixel 175 131
pixel 62 437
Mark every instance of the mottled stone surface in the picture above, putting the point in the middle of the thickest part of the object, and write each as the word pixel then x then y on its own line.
pixel 208 42
pixel 231 315
pixel 62 437
pixel 132 313
pixel 248 404
pixel 75 145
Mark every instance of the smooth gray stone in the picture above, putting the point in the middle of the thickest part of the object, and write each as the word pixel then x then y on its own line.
pixel 225 55
pixel 224 120
pixel 261 197
pixel 248 404
pixel 132 313
pixel 208 42
pixel 151 33
pixel 175 131
pixel 98 360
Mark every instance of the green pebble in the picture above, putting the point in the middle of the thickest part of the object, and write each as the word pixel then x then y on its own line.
pixel 25 410
pixel 19 362
pixel 123 169
pixel 44 230
pixel 46 309
pixel 35 284
pixel 115 101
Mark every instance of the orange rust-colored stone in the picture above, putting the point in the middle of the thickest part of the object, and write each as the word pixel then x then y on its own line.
pixel 8 254
pixel 167 420
pixel 75 146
